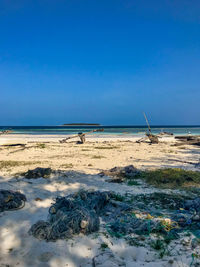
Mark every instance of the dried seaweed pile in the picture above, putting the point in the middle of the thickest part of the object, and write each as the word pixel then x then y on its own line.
pixel 10 200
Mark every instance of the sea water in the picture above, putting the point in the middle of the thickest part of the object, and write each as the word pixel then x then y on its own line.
pixel 108 130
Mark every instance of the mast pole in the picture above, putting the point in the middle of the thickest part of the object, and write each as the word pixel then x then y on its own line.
pixel 147 122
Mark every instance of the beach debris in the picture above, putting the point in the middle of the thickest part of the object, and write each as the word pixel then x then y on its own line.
pixel 126 224
pixel 193 204
pixel 80 212
pixel 188 140
pixel 81 136
pixel 23 147
pixel 161 200
pixel 120 174
pixel 156 213
pixel 13 145
pixel 74 214
pixel 38 173
pixel 38 199
pixel 127 216
pixel 11 200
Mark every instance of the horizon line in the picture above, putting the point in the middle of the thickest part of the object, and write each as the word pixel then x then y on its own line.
pixel 107 125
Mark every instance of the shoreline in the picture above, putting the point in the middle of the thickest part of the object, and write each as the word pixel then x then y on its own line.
pixel 24 138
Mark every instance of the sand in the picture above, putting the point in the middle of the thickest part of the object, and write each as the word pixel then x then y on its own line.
pixel 80 165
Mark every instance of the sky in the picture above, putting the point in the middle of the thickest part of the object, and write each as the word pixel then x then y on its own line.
pixel 99 61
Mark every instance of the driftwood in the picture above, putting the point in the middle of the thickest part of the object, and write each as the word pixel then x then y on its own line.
pixel 188 137
pixel 142 139
pixel 11 145
pixel 194 142
pixel 188 140
pixel 80 135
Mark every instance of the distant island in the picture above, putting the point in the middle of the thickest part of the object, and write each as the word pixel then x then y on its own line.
pixel 81 124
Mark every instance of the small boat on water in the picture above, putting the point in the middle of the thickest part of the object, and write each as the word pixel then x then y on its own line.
pixel 6 132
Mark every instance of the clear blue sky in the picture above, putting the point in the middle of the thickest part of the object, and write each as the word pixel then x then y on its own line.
pixel 103 61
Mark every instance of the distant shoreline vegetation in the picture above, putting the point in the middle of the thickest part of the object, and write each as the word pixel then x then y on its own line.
pixel 81 124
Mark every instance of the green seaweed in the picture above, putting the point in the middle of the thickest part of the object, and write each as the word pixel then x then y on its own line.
pixel 170 178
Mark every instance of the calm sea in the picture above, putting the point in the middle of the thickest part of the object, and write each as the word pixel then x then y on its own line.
pixel 108 130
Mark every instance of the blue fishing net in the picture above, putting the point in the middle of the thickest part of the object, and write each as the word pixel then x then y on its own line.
pixel 11 200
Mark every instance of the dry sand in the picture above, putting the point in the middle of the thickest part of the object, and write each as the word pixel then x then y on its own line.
pixel 81 165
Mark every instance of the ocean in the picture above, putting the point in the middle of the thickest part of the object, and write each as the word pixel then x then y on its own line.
pixel 108 130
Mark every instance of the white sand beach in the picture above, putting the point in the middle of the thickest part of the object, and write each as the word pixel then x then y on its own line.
pixel 78 166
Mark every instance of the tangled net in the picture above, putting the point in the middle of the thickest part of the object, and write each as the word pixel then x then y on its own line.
pixel 38 173
pixel 161 200
pixel 74 214
pixel 123 172
pixel 193 204
pixel 80 213
pixel 132 225
pixel 10 200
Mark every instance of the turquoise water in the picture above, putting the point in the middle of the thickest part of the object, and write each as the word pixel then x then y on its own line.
pixel 108 130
